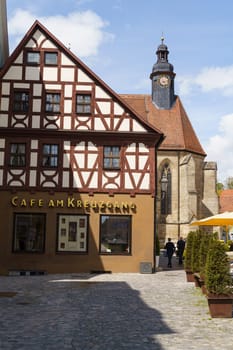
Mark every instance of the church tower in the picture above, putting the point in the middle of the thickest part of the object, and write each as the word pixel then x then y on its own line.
pixel 162 77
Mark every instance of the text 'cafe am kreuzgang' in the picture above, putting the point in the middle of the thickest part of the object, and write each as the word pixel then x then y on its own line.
pixel 72 202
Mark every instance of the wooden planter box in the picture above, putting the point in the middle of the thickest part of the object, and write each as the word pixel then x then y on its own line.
pixel 220 305
pixel 189 276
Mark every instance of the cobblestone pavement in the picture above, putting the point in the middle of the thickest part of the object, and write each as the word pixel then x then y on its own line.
pixel 109 311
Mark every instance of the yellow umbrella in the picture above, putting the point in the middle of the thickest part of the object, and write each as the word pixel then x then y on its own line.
pixel 223 219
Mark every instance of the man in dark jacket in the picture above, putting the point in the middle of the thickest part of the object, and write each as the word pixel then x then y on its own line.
pixel 170 248
pixel 180 248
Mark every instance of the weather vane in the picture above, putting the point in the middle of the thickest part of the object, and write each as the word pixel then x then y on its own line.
pixel 162 39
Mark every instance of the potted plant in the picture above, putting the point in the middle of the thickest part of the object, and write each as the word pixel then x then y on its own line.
pixel 195 257
pixel 206 239
pixel 188 256
pixel 157 251
pixel 218 280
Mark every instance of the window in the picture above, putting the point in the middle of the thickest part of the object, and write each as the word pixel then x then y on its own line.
pixel 17 154
pixel 33 57
pixel 51 58
pixel 115 234
pixel 21 101
pixel 166 196
pixel 72 233
pixel 52 103
pixel 50 156
pixel 83 103
pixel 111 157
pixel 29 233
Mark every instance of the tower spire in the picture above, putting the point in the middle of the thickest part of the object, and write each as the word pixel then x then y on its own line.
pixel 162 77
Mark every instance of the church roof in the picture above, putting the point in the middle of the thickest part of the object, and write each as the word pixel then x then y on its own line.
pixel 174 123
pixel 226 201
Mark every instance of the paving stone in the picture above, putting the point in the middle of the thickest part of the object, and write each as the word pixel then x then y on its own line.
pixel 108 311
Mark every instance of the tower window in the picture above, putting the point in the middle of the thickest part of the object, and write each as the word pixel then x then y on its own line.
pixel 166 197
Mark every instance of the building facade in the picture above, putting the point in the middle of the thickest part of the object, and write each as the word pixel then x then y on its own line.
pixel 77 167
pixel 89 177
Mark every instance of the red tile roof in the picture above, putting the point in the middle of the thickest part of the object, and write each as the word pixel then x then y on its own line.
pixel 226 201
pixel 174 123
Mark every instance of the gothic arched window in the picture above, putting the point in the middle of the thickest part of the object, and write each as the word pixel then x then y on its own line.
pixel 166 195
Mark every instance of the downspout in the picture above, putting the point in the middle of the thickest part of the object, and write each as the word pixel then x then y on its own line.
pixel 155 201
pixel 4 45
pixel 178 194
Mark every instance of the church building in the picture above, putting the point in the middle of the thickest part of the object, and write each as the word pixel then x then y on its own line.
pixel 89 177
pixel 186 183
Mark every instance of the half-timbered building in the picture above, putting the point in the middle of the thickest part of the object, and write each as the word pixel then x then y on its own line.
pixel 89 177
pixel 77 167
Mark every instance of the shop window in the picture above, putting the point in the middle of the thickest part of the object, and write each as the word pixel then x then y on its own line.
pixel 72 233
pixel 17 154
pixel 52 102
pixel 83 104
pixel 50 156
pixel 115 234
pixel 33 57
pixel 29 233
pixel 21 101
pixel 111 157
pixel 50 58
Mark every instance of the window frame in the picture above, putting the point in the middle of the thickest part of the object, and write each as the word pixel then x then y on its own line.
pixel 27 239
pixel 83 104
pixel 17 155
pixel 166 193
pixel 33 63
pixel 47 61
pixel 121 248
pixel 72 238
pixel 21 102
pixel 111 157
pixel 50 155
pixel 53 103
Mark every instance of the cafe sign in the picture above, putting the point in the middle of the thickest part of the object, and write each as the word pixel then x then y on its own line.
pixel 72 202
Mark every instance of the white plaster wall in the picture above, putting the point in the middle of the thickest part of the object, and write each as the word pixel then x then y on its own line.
pixel 50 73
pixel 14 73
pixel 32 73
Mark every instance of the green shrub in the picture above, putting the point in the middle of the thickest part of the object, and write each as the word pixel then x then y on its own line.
pixel 217 273
pixel 188 251
pixel 206 239
pixel 195 257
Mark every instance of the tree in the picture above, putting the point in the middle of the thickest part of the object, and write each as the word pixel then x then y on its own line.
pixel 229 182
pixel 219 188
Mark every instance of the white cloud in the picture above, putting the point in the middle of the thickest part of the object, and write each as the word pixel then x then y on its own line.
pixel 220 146
pixel 208 80
pixel 83 31
pixel 215 78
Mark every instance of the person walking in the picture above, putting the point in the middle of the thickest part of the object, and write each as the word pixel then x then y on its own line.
pixel 180 248
pixel 170 248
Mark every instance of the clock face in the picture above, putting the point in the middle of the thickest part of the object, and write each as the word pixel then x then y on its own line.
pixel 164 80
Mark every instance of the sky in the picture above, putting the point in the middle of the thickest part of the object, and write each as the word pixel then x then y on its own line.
pixel 118 39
